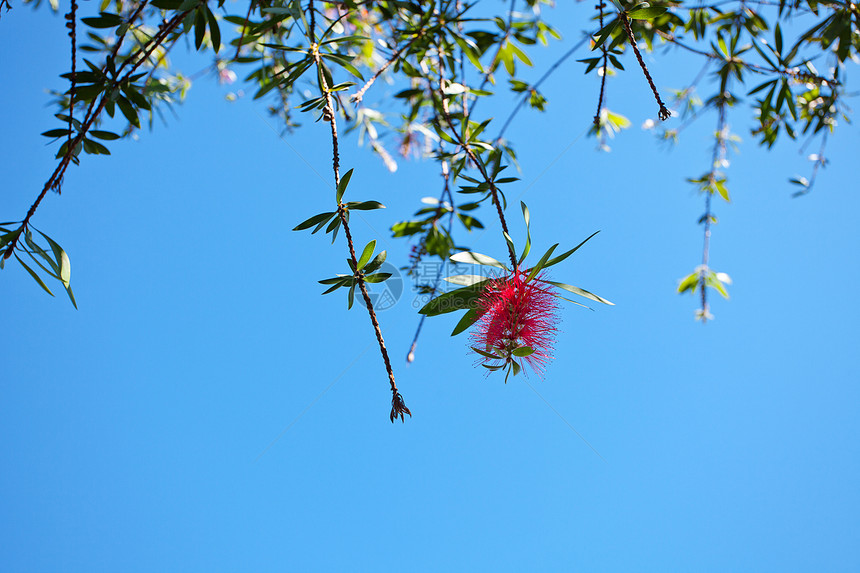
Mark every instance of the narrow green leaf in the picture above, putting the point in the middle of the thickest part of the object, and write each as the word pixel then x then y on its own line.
pixel 523 351
pixel 541 263
pixel 377 278
pixel 315 220
pixel 366 254
pixel 476 259
pixel 458 299
pixel 71 296
pixel 366 205
pixel 106 135
pixel 214 31
pixel 646 13
pixel 341 187
pixel 485 354
pixel 466 280
pixel 563 256
pixel 34 275
pixel 605 33
pixel 527 219
pixel 375 263
pixel 580 292
pixel 510 243
pixel 62 259
pixel 199 27
pixel 56 133
pixel 465 322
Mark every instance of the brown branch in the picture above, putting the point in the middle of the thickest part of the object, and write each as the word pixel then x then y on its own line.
pixel 71 24
pixel 94 110
pixel 398 406
pixel 605 51
pixel 244 27
pixel 357 96
pixel 663 113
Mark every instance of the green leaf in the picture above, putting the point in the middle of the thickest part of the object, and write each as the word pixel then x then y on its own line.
pixel 688 283
pixel 34 275
pixel 56 132
pixel 62 259
pixel 580 292
pixel 104 20
pixel 106 135
pixel 71 296
pixel 527 219
pixel 523 351
pixel 341 187
pixel 646 13
pixel 466 280
pixel 321 218
pixel 127 109
pixel 605 33
pixel 561 257
pixel 377 278
pixel 366 254
pixel 214 31
pixel 199 28
pixel 476 259
pixel 485 354
pixel 351 297
pixel 366 205
pixel 10 236
pixel 465 322
pixel 375 263
pixel 458 299
pixel 510 243
pixel 541 263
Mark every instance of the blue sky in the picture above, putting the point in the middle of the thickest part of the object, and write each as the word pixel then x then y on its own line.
pixel 206 409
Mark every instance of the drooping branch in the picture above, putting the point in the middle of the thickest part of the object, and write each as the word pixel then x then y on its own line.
pixel 603 69
pixel 94 110
pixel 664 112
pixel 71 24
pixel 398 406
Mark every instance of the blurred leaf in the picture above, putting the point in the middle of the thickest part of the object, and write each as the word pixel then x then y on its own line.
pixel 580 292
pixel 366 254
pixel 476 259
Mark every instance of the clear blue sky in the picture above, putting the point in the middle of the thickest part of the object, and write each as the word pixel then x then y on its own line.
pixel 136 434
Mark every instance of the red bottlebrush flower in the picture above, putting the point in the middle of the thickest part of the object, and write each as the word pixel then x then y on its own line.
pixel 512 314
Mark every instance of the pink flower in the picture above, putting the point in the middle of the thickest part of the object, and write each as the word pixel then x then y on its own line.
pixel 514 314
pixel 226 76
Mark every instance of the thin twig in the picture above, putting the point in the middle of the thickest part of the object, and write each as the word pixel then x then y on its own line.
pixel 446 195
pixel 663 113
pixel 71 24
pixel 398 406
pixel 542 79
pixel 605 51
pixel 94 110
pixel 357 96
pixel 717 159
pixel 244 28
